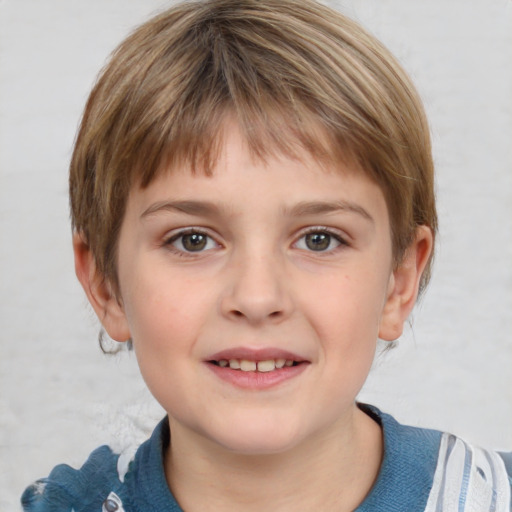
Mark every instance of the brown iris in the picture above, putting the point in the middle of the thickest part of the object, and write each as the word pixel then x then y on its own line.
pixel 318 241
pixel 194 242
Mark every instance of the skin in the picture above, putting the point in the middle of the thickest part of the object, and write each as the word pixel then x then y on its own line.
pixel 260 282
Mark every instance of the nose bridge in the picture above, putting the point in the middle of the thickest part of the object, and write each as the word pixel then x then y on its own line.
pixel 257 290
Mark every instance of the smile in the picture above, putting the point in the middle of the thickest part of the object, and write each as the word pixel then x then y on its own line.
pixel 256 369
pixel 246 365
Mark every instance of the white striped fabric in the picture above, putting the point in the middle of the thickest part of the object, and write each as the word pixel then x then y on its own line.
pixel 468 479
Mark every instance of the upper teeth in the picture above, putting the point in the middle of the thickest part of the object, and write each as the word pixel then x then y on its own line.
pixel 251 366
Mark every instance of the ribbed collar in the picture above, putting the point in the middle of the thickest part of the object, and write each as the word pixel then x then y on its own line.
pixel 408 466
pixel 403 483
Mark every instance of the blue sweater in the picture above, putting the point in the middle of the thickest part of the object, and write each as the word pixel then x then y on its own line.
pixel 422 470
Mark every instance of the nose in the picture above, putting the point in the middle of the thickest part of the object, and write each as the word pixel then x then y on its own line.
pixel 257 291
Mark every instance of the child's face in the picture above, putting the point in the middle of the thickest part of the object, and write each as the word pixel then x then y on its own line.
pixel 258 262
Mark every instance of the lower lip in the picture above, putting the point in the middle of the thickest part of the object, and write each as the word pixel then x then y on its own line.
pixel 257 380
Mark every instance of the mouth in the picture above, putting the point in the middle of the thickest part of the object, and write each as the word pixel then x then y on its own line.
pixel 260 366
pixel 256 368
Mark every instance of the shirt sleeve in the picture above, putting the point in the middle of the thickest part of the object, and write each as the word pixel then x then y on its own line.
pixel 88 489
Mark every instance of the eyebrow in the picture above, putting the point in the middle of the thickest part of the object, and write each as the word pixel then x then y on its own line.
pixel 203 208
pixel 302 209
pixel 321 207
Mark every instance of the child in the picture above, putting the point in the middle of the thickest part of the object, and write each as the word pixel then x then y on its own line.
pixel 253 207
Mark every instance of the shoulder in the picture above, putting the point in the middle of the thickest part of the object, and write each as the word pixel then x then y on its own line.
pixel 428 470
pixel 95 486
pixel 133 480
pixel 470 478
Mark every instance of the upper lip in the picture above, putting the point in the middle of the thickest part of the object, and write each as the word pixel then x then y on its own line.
pixel 255 354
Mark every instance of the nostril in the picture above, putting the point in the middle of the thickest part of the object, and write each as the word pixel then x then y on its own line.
pixel 238 314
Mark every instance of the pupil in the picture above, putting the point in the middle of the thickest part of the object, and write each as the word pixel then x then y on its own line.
pixel 194 242
pixel 318 241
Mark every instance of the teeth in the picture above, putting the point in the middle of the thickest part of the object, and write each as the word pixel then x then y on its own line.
pixel 247 366
pixel 266 366
pixel 251 366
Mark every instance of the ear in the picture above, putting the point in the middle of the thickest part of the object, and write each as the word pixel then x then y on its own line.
pixel 404 285
pixel 99 291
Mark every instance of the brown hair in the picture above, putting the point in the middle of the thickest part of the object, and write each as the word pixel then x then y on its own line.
pixel 283 69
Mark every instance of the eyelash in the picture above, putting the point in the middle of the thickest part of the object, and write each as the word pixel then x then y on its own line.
pixel 320 230
pixel 169 242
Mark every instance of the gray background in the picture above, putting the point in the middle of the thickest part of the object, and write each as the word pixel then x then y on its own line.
pixel 60 397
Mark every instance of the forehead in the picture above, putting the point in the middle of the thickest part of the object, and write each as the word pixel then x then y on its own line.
pixel 240 180
pixel 314 147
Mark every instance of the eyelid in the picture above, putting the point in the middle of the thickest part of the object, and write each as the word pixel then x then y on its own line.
pixel 337 233
pixel 175 233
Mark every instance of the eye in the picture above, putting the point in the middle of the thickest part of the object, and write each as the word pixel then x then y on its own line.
pixel 319 241
pixel 192 241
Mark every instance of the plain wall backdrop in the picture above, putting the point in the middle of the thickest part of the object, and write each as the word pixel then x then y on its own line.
pixel 60 397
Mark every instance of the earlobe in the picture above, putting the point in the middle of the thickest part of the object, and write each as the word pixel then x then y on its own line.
pixel 404 285
pixel 99 291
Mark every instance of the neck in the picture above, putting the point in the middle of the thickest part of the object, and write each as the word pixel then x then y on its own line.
pixel 334 471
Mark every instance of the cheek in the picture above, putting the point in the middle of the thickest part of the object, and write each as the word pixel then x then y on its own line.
pixel 166 312
pixel 164 332
pixel 348 308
